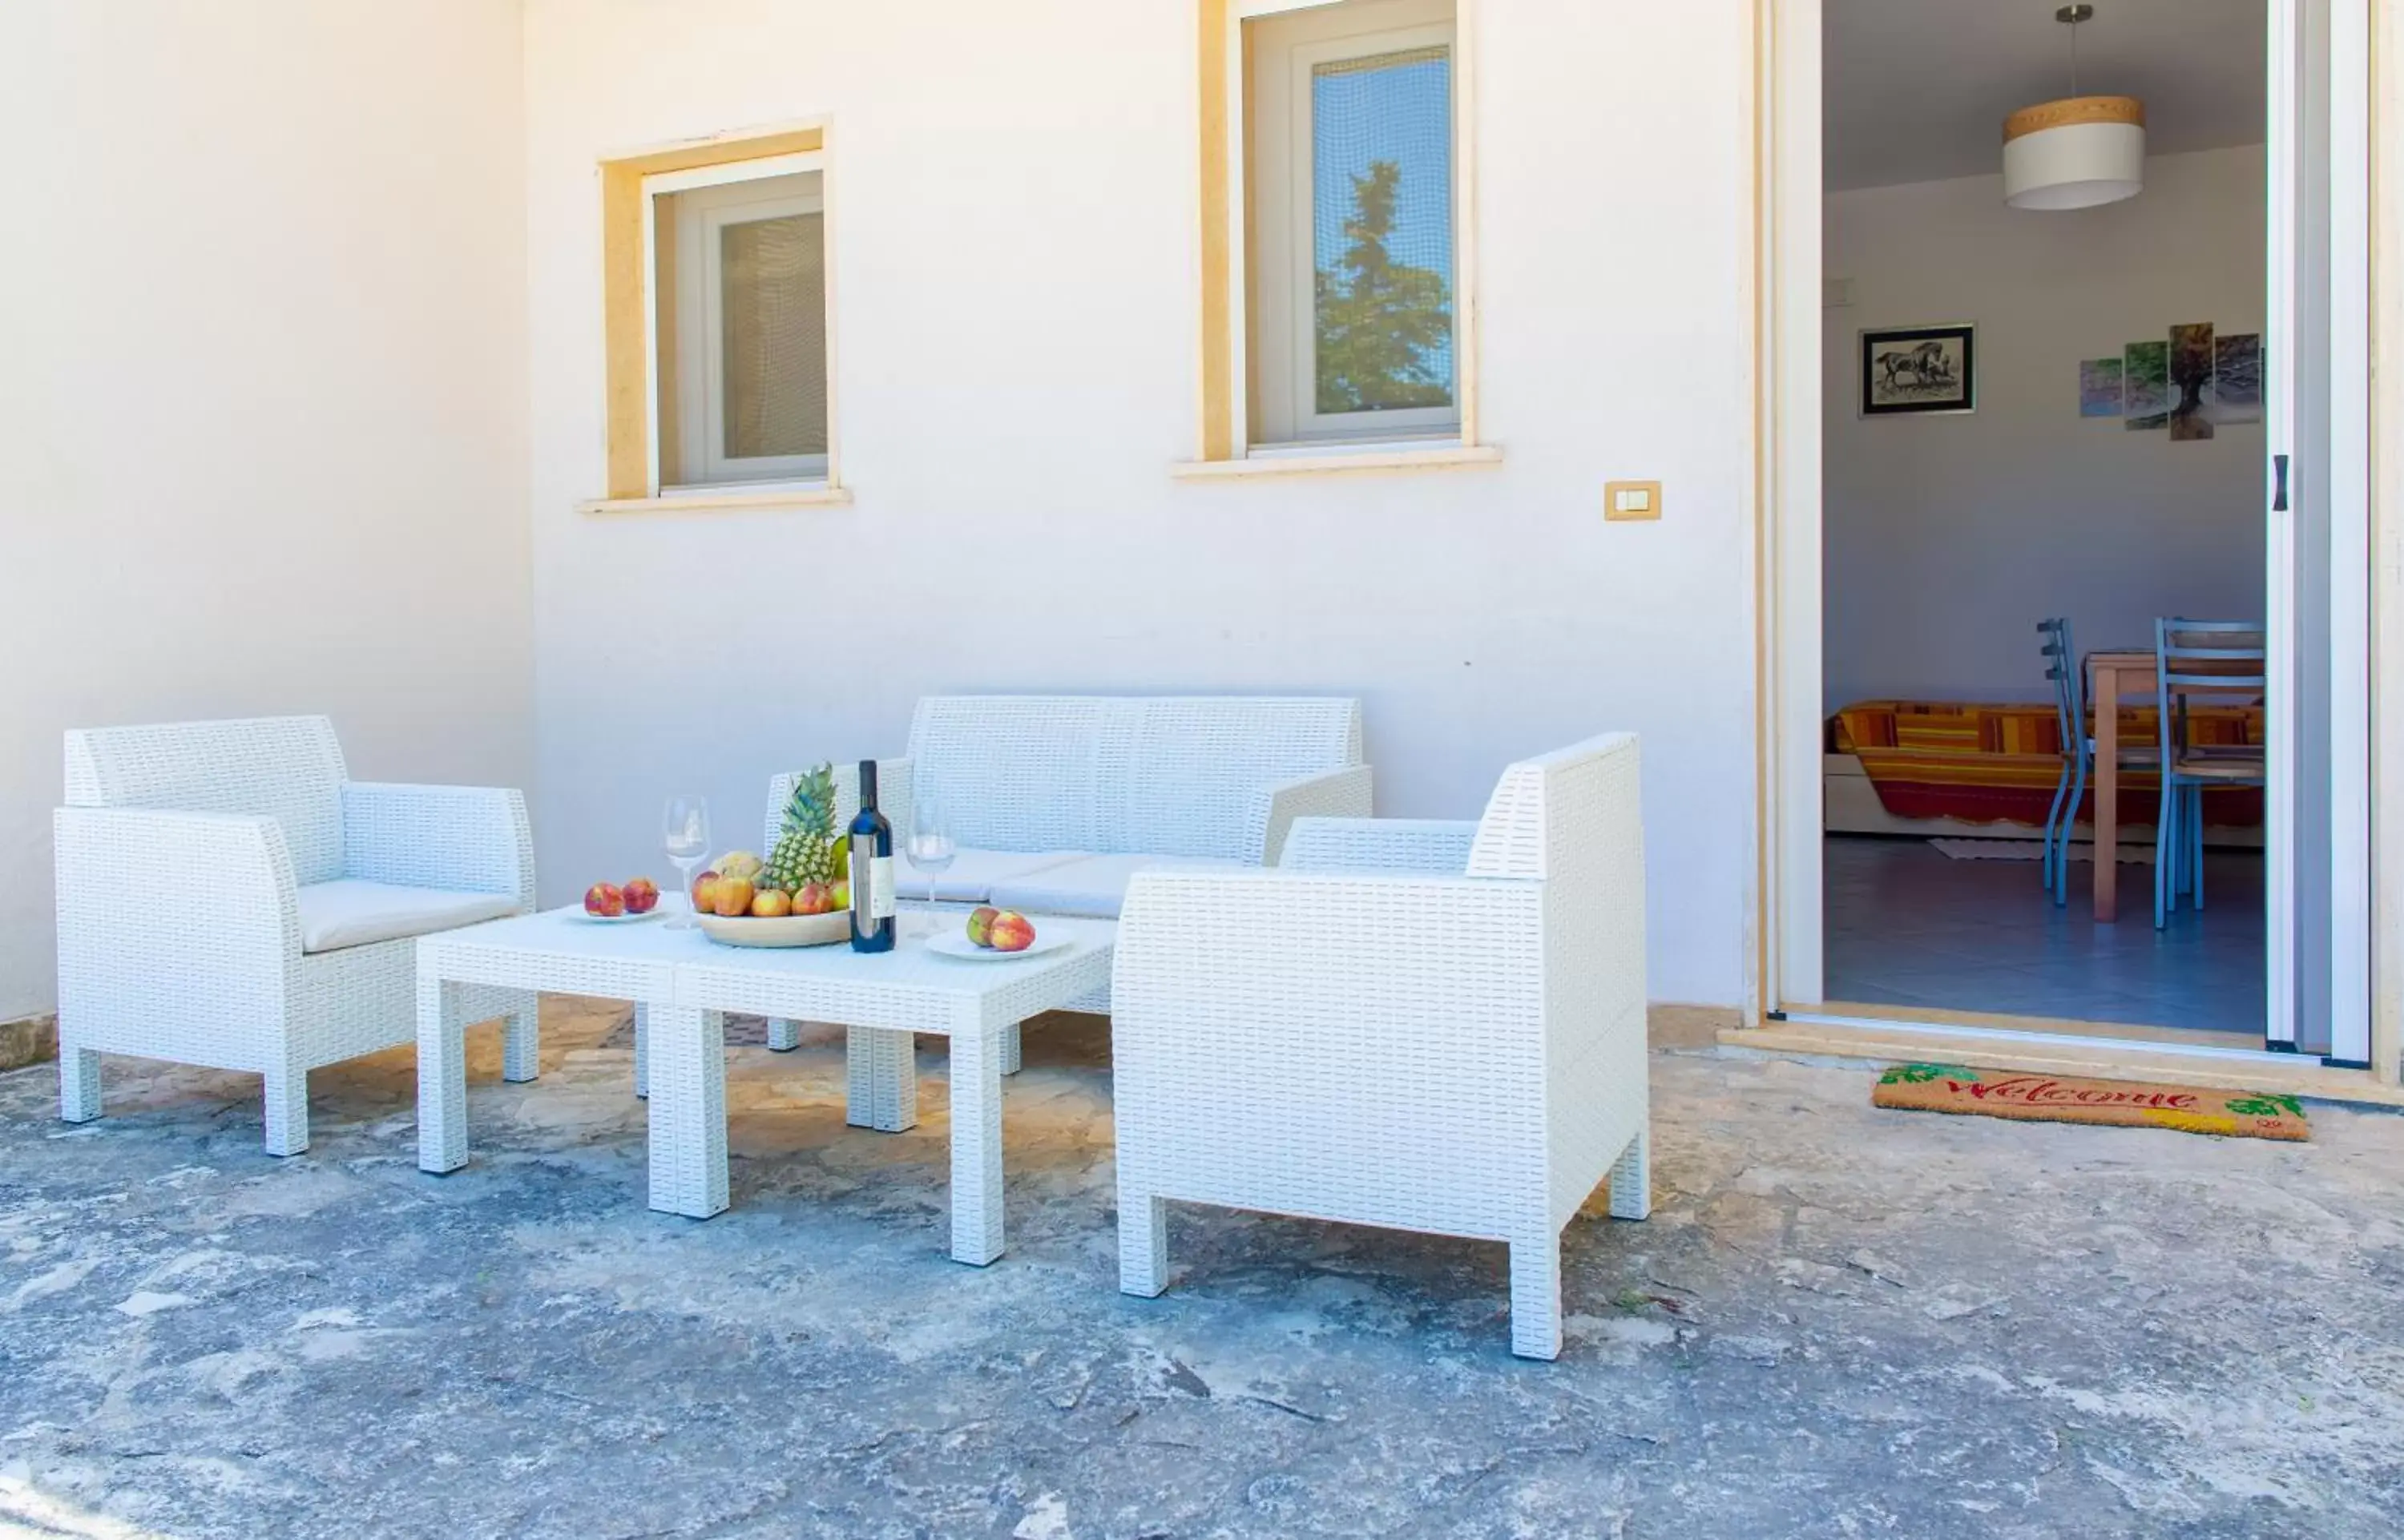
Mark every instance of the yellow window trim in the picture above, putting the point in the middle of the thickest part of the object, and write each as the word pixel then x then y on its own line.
pixel 630 388
pixel 1222 401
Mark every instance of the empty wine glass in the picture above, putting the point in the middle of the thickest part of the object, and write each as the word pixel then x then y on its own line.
pixel 685 829
pixel 929 846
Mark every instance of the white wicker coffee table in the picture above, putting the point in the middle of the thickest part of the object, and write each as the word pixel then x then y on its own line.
pixel 687 983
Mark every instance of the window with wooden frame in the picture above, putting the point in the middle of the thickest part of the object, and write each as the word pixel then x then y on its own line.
pixel 1339 317
pixel 718 322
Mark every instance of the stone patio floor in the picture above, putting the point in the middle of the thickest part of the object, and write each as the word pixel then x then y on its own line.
pixel 1839 1321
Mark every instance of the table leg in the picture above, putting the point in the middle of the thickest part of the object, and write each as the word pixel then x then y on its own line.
pixel 522 1042
pixel 688 1110
pixel 2108 795
pixel 441 1077
pixel 976 1148
pixel 881 1079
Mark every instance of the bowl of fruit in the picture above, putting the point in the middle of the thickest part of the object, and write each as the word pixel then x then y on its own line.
pixel 800 896
pixel 609 903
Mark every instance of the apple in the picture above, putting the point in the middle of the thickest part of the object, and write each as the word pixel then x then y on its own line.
pixel 838 897
pixel 814 898
pixel 605 899
pixel 704 894
pixel 1012 932
pixel 771 904
pixel 733 898
pixel 642 896
pixel 981 920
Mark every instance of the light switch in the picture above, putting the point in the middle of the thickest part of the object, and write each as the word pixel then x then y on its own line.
pixel 1631 500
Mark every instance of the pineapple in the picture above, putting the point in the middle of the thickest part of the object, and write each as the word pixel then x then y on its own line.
pixel 805 843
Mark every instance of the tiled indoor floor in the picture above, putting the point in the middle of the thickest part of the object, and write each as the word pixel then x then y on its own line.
pixel 1909 926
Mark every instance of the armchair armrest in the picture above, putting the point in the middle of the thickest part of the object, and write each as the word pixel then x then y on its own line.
pixel 1370 844
pixel 1334 793
pixel 472 838
pixel 235 930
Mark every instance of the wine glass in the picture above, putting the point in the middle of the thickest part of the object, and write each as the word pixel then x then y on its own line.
pixel 685 828
pixel 929 846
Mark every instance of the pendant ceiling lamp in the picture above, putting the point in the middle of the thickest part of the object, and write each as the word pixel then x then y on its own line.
pixel 2079 151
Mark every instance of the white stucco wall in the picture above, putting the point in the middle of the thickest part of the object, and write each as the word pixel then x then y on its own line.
pixel 1015 268
pixel 1949 538
pixel 263 406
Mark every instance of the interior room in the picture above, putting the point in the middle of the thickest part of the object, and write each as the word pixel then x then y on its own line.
pixel 2043 439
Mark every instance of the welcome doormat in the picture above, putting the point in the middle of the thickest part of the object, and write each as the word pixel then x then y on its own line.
pixel 2121 1103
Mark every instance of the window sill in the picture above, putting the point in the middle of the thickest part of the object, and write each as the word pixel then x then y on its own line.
pixel 1336 462
pixel 726 502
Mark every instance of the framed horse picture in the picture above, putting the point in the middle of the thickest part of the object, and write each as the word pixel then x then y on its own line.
pixel 1916 371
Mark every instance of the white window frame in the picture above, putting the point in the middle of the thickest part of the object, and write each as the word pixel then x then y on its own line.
pixel 699 412
pixel 1280 160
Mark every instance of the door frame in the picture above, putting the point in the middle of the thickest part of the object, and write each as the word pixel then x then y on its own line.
pixel 1785 922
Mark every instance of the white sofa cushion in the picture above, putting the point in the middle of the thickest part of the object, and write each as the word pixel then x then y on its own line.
pixel 354 912
pixel 1092 886
pixel 972 876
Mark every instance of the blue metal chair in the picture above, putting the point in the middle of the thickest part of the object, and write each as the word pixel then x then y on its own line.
pixel 2067 672
pixel 2199 658
pixel 2070 716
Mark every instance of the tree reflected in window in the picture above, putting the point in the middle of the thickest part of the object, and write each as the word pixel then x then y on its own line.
pixel 1384 326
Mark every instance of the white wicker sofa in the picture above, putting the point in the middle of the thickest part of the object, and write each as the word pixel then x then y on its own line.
pixel 295 893
pixel 1434 1027
pixel 1056 801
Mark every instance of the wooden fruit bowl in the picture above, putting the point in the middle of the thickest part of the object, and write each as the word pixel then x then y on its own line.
pixel 784 930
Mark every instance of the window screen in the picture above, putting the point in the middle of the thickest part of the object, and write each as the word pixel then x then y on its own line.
pixel 773 321
pixel 1381 203
pixel 740 272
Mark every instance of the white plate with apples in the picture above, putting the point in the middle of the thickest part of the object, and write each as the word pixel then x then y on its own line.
pixel 950 945
pixel 606 903
pixel 996 935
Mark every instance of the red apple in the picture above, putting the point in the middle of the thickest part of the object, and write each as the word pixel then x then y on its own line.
pixel 642 896
pixel 704 894
pixel 981 920
pixel 814 898
pixel 771 904
pixel 605 899
pixel 1012 932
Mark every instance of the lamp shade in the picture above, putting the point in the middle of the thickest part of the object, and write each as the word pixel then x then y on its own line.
pixel 2074 153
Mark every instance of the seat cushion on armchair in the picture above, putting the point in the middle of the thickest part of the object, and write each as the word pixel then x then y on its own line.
pixel 354 912
pixel 973 873
pixel 1093 887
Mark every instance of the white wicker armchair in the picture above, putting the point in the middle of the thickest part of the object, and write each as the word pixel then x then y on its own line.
pixel 1432 1027
pixel 297 895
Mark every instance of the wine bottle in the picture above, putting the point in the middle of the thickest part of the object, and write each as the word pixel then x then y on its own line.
pixel 872 870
